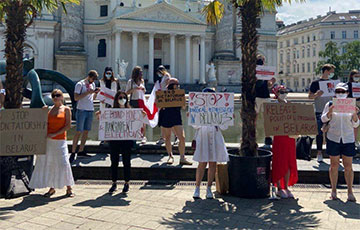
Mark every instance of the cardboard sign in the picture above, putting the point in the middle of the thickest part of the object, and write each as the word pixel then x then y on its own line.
pixel 355 89
pixel 23 131
pixel 211 109
pixel 265 72
pixel 289 119
pixel 346 105
pixel 121 124
pixel 328 87
pixel 106 95
pixel 170 98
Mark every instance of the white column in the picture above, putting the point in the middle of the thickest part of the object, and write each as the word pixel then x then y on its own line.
pixel 172 53
pixel 134 48
pixel 187 60
pixel 117 52
pixel 202 60
pixel 151 58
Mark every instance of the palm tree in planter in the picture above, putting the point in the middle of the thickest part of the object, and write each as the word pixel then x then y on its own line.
pixel 18 16
pixel 249 169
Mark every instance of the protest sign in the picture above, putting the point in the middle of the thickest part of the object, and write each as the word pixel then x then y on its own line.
pixel 106 95
pixel 211 109
pixel 121 124
pixel 355 89
pixel 265 72
pixel 328 87
pixel 170 98
pixel 23 131
pixel 289 119
pixel 344 105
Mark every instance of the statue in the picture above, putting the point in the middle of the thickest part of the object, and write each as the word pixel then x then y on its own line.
pixel 122 68
pixel 134 3
pixel 211 71
pixel 187 6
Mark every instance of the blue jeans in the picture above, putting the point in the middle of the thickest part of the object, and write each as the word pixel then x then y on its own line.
pixel 84 120
pixel 319 137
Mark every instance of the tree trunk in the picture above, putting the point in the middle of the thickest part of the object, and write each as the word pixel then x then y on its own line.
pixel 15 36
pixel 249 11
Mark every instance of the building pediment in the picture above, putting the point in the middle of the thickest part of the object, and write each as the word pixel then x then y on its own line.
pixel 162 12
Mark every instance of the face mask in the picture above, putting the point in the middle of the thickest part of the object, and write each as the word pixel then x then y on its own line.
pixel 356 78
pixel 122 101
pixel 341 95
pixel 282 96
pixel 108 76
pixel 331 75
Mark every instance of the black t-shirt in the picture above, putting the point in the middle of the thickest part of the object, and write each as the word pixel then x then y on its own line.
pixel 262 89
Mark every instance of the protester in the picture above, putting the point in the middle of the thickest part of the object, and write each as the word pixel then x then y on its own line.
pixel 53 169
pixel 120 146
pixel 340 141
pixel 133 87
pixel 2 95
pixel 172 122
pixel 85 94
pixel 354 78
pixel 284 168
pixel 210 148
pixel 110 82
pixel 263 95
pixel 320 102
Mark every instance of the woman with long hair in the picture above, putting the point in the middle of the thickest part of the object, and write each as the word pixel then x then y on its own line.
pixel 53 169
pixel 134 86
pixel 110 82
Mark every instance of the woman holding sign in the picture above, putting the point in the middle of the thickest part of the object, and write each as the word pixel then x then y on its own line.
pixel 53 169
pixel 354 92
pixel 284 169
pixel 340 141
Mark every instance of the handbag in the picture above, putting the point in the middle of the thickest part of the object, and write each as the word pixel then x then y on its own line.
pixel 193 143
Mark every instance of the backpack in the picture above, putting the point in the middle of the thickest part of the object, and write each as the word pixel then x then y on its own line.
pixel 303 148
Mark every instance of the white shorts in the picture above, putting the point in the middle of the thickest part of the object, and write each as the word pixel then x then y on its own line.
pixel 259 104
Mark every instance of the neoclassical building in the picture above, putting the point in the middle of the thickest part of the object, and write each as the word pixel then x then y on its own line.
pixel 299 45
pixel 100 33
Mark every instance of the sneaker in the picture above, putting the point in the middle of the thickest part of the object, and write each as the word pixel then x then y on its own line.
pixel 160 142
pixel 83 154
pixel 281 193
pixel 197 193
pixel 72 158
pixel 126 188
pixel 357 144
pixel 113 188
pixel 176 141
pixel 144 140
pixel 289 194
pixel 209 194
pixel 320 158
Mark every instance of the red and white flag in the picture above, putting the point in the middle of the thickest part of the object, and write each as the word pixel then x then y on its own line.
pixel 149 106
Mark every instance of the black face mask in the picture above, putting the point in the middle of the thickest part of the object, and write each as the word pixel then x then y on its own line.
pixel 259 62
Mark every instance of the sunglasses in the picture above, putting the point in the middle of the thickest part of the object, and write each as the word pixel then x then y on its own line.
pixel 120 98
pixel 56 95
pixel 108 73
pixel 283 92
pixel 340 91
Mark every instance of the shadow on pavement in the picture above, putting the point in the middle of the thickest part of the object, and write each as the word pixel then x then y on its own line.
pixel 234 212
pixel 349 210
pixel 154 185
pixel 106 199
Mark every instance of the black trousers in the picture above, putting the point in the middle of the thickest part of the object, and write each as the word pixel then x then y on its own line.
pixel 123 147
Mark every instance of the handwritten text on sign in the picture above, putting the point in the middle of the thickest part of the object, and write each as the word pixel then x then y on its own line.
pixel 170 98
pixel 210 109
pixel 289 119
pixel 23 131
pixel 121 124
pixel 346 105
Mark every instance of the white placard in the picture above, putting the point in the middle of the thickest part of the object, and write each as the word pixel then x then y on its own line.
pixel 121 124
pixel 344 105
pixel 106 95
pixel 265 72
pixel 328 87
pixel 355 89
pixel 211 109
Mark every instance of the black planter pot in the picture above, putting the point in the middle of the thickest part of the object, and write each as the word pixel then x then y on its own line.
pixel 249 177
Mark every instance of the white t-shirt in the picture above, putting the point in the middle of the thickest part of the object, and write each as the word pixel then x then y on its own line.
pixel 132 85
pixel 163 82
pixel 85 103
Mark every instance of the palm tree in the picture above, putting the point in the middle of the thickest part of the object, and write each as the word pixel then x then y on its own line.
pixel 19 15
pixel 249 11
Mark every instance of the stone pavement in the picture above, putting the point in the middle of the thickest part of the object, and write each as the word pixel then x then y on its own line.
pixel 170 206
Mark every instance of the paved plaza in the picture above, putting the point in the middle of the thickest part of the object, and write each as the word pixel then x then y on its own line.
pixel 170 206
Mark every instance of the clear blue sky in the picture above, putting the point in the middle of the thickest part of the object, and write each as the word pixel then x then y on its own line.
pixel 311 8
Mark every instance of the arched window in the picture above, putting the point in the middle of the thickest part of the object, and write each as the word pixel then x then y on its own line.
pixel 102 48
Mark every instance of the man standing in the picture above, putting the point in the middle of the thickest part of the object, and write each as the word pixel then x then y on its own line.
pixel 263 95
pixel 320 102
pixel 85 93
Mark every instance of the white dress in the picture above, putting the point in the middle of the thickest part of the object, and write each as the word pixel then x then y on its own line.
pixel 210 145
pixel 53 170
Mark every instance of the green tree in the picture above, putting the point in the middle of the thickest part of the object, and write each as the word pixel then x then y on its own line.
pixel 249 11
pixel 18 16
pixel 351 58
pixel 330 55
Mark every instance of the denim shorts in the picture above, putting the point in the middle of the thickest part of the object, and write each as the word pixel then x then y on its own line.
pixel 84 120
pixel 338 149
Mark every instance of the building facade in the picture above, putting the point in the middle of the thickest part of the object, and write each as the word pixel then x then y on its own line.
pixel 299 45
pixel 100 33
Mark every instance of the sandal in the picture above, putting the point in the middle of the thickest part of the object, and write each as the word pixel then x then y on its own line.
pixel 170 161
pixel 49 194
pixel 185 162
pixel 351 198
pixel 69 193
pixel 333 196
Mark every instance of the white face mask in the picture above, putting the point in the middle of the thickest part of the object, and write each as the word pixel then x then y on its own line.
pixel 331 75
pixel 122 101
pixel 341 95
pixel 282 96
pixel 356 79
pixel 108 76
